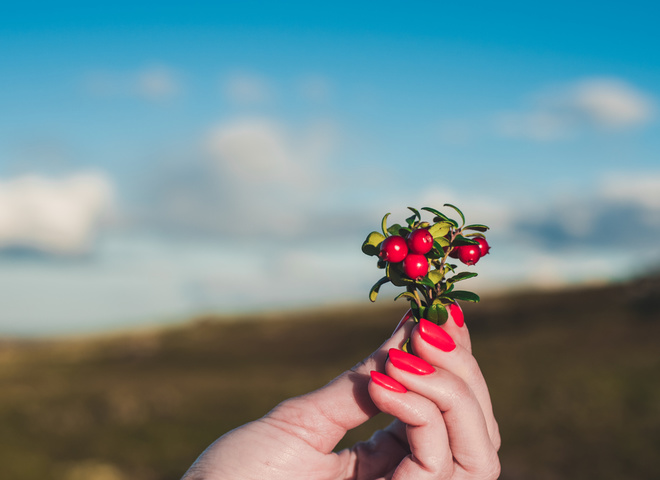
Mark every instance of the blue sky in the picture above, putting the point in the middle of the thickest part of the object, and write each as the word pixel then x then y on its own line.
pixel 158 160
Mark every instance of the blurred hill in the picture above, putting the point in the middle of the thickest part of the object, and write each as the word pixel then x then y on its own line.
pixel 574 375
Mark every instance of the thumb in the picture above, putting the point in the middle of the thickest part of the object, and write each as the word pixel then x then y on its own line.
pixel 323 417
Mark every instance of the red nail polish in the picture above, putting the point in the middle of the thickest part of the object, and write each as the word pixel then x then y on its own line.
pixel 436 336
pixel 405 318
pixel 387 382
pixel 410 363
pixel 457 314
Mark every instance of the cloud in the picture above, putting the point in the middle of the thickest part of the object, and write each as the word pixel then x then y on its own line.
pixel 152 83
pixel 605 104
pixel 57 216
pixel 245 88
pixel 252 173
pixel 622 212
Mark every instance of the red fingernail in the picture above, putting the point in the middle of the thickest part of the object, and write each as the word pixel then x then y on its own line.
pixel 387 382
pixel 457 314
pixel 410 363
pixel 405 318
pixel 435 335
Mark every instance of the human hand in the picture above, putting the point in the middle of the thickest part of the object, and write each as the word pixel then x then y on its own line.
pixel 445 430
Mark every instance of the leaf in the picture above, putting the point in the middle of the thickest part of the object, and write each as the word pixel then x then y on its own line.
pixel 441 216
pixel 461 240
pixel 440 229
pixel 440 242
pixel 371 245
pixel 394 229
pixel 381 264
pixel 435 276
pixel 457 211
pixel 417 311
pixel 426 282
pixel 396 275
pixel 383 224
pixel 476 226
pixel 463 295
pixel 408 295
pixel 373 293
pixel 437 314
pixel 461 276
pixel 407 347
pixel 416 212
pixel 411 220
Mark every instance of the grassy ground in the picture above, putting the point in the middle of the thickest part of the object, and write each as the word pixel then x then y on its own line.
pixel 575 380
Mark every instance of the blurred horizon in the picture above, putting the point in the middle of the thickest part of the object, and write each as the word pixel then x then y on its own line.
pixel 162 160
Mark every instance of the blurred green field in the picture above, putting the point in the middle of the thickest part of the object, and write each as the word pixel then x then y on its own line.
pixel 574 376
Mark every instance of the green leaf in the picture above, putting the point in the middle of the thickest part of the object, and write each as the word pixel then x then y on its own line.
pixel 407 347
pixel 408 295
pixel 440 229
pixel 458 210
pixel 416 212
pixel 426 282
pixel 440 242
pixel 440 215
pixel 463 295
pixel 435 276
pixel 411 220
pixel 437 314
pixel 394 229
pixel 396 275
pixel 417 312
pixel 381 264
pixel 371 245
pixel 461 240
pixel 461 276
pixel 383 224
pixel 476 226
pixel 373 293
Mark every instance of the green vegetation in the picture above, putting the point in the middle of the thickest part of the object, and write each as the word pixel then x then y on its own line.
pixel 575 380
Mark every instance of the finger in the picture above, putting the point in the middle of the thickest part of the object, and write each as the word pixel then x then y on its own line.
pixel 433 344
pixel 456 327
pixel 430 456
pixel 466 428
pixel 324 416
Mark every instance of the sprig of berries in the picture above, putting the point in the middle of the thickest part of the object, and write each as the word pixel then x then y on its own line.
pixel 416 256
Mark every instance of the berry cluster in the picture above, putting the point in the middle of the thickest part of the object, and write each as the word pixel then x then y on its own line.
pixel 415 256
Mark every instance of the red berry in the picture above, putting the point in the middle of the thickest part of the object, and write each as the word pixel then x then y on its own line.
pixel 469 254
pixel 393 249
pixel 420 241
pixel 484 248
pixel 415 265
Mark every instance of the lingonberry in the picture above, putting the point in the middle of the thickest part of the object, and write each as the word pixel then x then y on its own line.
pixel 484 248
pixel 393 249
pixel 415 265
pixel 420 241
pixel 469 254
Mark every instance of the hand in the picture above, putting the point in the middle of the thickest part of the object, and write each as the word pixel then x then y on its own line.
pixel 445 427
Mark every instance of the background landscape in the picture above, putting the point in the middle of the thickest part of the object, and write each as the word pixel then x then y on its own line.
pixel 574 376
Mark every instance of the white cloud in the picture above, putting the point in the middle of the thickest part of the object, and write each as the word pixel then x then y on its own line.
pixel 247 88
pixel 58 216
pixel 152 83
pixel 596 103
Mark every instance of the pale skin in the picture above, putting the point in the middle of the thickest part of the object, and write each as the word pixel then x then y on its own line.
pixel 445 428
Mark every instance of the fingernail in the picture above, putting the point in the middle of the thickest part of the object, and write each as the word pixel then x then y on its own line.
pixel 405 318
pixel 435 335
pixel 410 363
pixel 387 382
pixel 457 314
